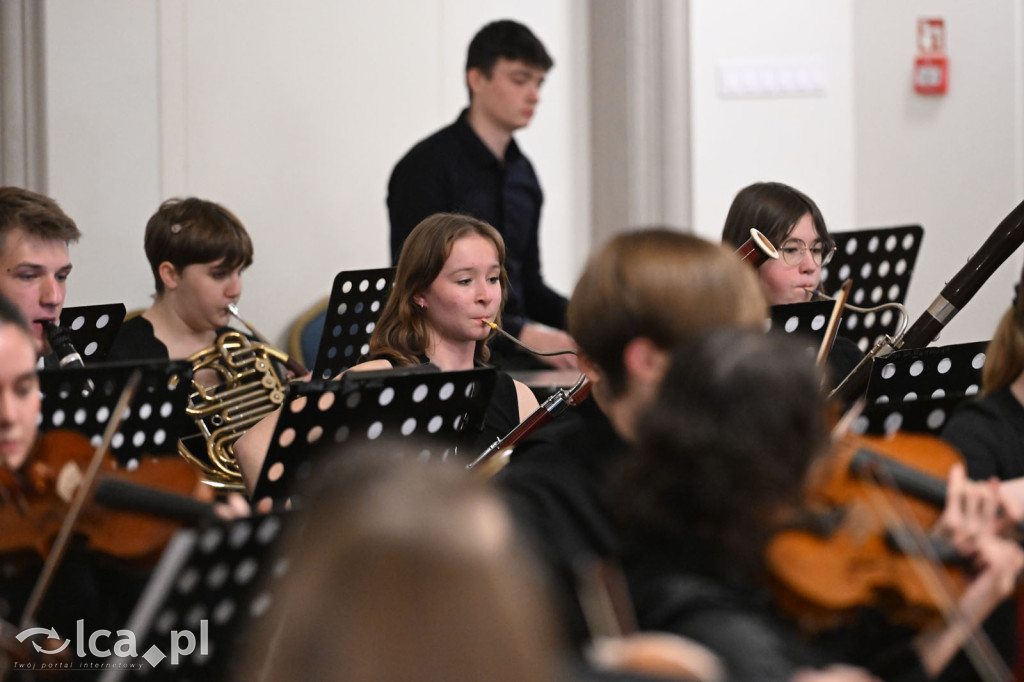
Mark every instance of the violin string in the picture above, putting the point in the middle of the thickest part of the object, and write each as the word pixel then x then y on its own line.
pixel 56 554
pixel 897 513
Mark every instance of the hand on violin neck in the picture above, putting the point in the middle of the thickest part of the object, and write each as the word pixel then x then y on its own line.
pixel 974 510
pixel 1012 494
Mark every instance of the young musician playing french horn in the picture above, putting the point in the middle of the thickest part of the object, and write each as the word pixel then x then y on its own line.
pixel 197 251
pixel 450 279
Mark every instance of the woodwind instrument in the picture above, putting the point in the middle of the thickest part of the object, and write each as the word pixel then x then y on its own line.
pixel 757 250
pixel 1003 241
pixel 557 403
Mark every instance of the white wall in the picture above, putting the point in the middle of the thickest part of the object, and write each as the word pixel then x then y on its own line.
pixel 804 140
pixel 290 114
pixel 955 163
pixel 868 150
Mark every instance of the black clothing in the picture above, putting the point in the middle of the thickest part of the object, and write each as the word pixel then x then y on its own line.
pixel 454 171
pixel 560 485
pixel 843 357
pixel 558 489
pixel 502 412
pixel 989 433
pixel 136 340
pixel 738 621
pixel 753 644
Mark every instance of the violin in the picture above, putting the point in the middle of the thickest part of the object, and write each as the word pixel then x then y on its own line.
pixel 35 500
pixel 842 554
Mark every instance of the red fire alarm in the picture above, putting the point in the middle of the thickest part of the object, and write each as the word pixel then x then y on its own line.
pixel 931 66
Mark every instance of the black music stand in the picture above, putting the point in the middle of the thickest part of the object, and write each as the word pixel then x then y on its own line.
pixel 880 262
pixel 404 412
pixel 915 390
pixel 83 400
pixel 215 583
pixel 808 321
pixel 357 298
pixel 92 328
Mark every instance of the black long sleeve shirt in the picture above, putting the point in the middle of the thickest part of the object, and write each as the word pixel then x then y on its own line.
pixel 454 171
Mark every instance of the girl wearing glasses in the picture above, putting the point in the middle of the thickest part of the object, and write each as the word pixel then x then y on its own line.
pixel 793 223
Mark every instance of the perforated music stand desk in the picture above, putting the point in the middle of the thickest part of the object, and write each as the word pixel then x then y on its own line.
pixel 357 298
pixel 880 262
pixel 92 328
pixel 807 321
pixel 224 574
pixel 404 412
pixel 915 390
pixel 84 399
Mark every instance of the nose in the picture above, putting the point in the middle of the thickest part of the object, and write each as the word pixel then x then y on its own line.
pixel 233 286
pixel 6 408
pixel 808 264
pixel 534 93
pixel 51 292
pixel 485 292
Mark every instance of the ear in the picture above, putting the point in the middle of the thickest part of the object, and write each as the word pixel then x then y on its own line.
pixel 645 360
pixel 475 79
pixel 168 275
pixel 420 301
pixel 589 368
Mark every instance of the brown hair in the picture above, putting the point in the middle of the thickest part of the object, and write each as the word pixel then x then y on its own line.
pixel 774 209
pixel 661 284
pixel 9 314
pixel 754 423
pixel 35 214
pixel 406 570
pixel 187 231
pixel 1004 359
pixel 401 334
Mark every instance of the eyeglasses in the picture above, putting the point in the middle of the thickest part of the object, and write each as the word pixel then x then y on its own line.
pixel 793 250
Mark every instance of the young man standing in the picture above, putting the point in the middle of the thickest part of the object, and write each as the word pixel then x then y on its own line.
pixel 474 166
pixel 34 261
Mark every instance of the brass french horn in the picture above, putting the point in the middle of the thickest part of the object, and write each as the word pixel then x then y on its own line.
pixel 236 383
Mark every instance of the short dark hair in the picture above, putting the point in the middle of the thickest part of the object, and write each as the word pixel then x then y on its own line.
pixel 187 231
pixel 508 39
pixel 726 446
pixel 35 214
pixel 774 209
